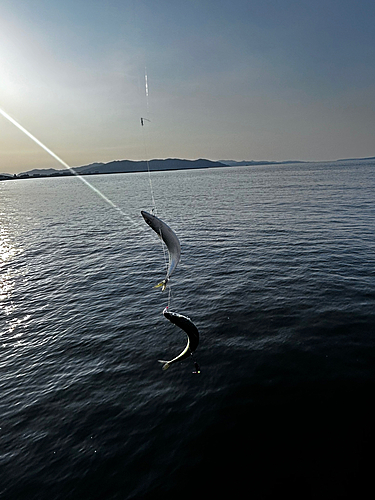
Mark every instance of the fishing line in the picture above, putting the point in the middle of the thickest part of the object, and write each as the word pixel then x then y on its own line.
pixel 154 209
pixel 146 90
pixel 169 295
pixel 68 167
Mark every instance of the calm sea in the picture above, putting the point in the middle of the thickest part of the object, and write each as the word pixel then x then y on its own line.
pixel 278 274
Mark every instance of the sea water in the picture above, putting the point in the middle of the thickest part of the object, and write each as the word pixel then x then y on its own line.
pixel 277 272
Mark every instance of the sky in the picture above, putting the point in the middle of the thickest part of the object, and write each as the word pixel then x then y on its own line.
pixel 226 79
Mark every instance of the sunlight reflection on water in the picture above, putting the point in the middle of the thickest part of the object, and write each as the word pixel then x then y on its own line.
pixel 8 251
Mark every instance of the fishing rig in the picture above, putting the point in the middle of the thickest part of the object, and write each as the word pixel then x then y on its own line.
pixel 170 241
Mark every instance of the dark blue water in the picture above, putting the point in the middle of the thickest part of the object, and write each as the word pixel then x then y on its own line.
pixel 278 274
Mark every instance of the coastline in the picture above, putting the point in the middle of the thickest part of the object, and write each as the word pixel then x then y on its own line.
pixel 154 165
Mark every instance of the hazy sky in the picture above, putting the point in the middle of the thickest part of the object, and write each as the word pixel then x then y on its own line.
pixel 227 79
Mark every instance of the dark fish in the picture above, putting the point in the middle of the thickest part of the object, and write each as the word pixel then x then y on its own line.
pixel 191 331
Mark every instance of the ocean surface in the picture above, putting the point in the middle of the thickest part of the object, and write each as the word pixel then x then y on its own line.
pixel 278 274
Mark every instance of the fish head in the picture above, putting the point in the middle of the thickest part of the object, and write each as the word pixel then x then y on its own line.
pixel 166 313
pixel 152 221
pixel 147 217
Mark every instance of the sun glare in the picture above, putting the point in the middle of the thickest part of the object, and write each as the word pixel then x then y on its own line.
pixel 64 164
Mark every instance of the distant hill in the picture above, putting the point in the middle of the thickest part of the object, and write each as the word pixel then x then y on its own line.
pixel 5 177
pixel 358 159
pixel 124 166
pixel 128 166
pixel 43 172
pixel 46 172
pixel 234 163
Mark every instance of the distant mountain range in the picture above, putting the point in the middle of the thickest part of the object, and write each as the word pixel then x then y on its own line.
pixel 122 166
pixel 355 159
pixel 233 163
pixel 127 166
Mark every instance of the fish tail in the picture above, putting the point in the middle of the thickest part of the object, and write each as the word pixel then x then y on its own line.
pixel 162 284
pixel 166 364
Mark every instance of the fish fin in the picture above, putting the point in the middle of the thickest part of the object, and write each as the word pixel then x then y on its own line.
pixel 166 364
pixel 162 284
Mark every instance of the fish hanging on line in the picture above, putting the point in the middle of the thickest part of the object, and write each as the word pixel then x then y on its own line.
pixel 171 241
pixel 192 333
